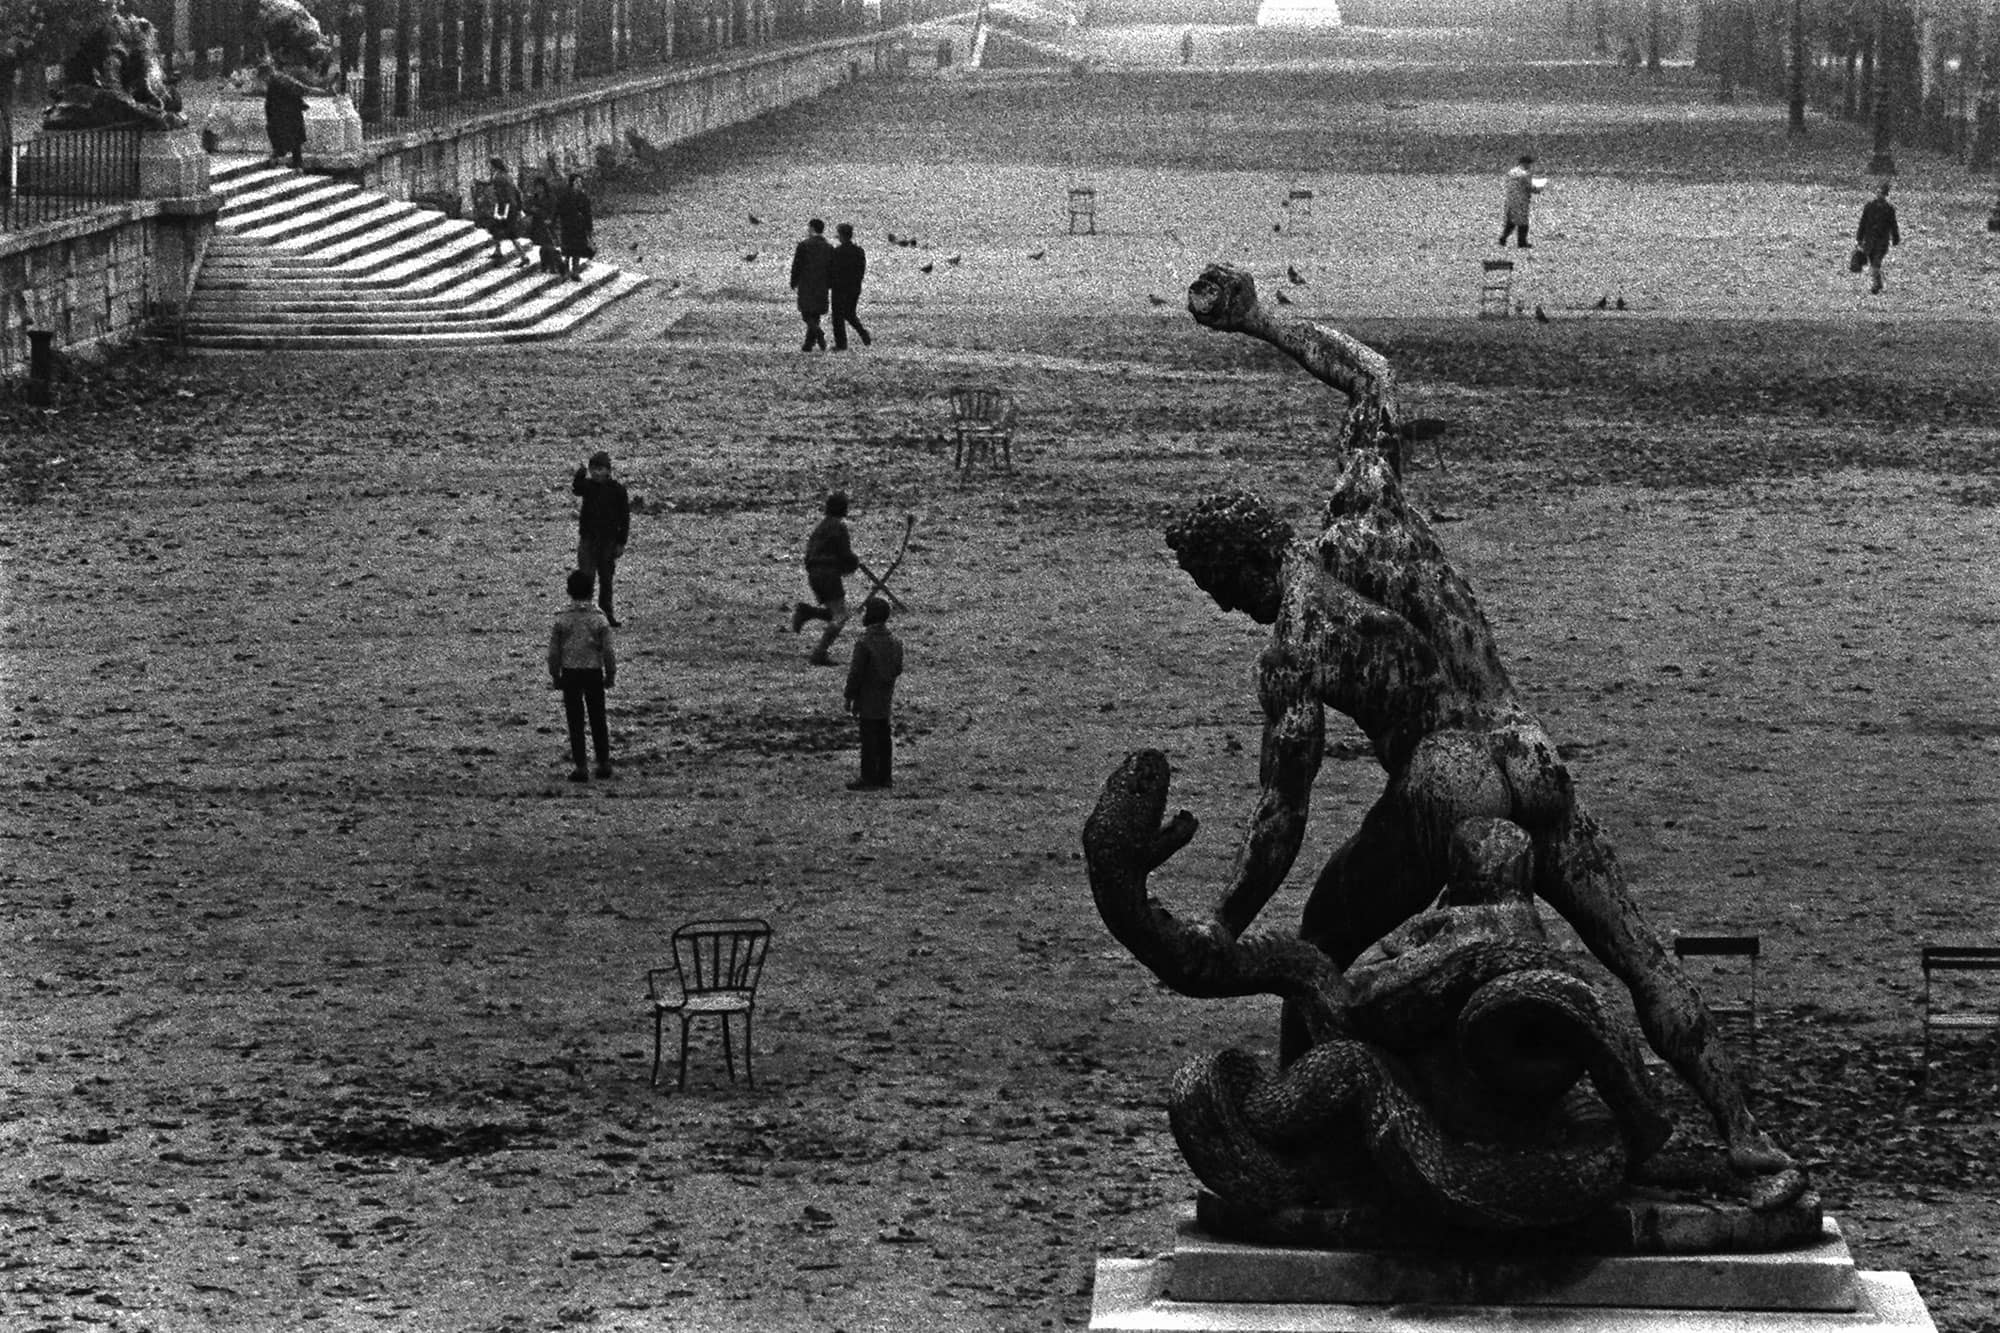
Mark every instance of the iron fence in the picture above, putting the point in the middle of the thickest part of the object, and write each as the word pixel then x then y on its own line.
pixel 59 173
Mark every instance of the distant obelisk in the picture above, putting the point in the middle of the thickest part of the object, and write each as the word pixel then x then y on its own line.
pixel 1298 14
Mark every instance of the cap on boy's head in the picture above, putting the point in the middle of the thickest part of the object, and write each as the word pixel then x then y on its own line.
pixel 1527 159
pixel 845 231
pixel 496 164
pixel 874 611
pixel 836 505
pixel 581 581
pixel 600 459
pixel 815 226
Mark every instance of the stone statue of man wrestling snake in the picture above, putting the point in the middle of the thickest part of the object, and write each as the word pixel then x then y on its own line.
pixel 1434 1044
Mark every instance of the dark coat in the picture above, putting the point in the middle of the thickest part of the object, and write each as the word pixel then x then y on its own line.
pixel 284 112
pixel 812 270
pixel 575 222
pixel 872 672
pixel 846 269
pixel 829 549
pixel 507 206
pixel 605 518
pixel 1877 231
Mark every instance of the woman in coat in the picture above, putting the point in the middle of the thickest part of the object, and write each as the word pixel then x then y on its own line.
pixel 574 225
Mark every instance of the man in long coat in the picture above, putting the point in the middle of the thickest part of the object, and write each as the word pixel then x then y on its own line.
pixel 849 266
pixel 812 279
pixel 1876 233
pixel 285 115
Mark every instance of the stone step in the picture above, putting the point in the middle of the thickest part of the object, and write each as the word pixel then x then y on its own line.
pixel 299 261
pixel 308 297
pixel 287 199
pixel 302 313
pixel 541 318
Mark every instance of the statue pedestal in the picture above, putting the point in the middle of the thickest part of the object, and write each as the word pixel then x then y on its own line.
pixel 172 165
pixel 1208 1285
pixel 333 131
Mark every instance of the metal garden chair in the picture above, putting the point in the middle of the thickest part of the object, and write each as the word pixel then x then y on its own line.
pixel 716 965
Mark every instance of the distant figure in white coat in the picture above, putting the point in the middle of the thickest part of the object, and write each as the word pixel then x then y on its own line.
pixel 1522 187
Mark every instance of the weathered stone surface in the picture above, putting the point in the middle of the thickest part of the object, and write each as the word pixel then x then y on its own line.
pixel 1636 1224
pixel 333 130
pixel 1130 1297
pixel 1208 1268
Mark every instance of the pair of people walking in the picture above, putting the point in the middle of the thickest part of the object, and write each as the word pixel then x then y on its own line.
pixel 582 659
pixel 829 277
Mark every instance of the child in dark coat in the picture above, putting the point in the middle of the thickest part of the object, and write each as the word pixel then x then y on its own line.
pixel 871 687
pixel 829 556
pixel 583 665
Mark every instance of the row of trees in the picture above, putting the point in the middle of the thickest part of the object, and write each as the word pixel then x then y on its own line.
pixel 1921 71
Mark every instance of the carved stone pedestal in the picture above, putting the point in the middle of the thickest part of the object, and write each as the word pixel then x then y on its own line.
pixel 172 165
pixel 1209 1285
pixel 333 131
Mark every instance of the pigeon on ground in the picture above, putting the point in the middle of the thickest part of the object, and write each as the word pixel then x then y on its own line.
pixel 750 258
pixel 1156 300
pixel 925 267
pixel 1621 303
pixel 951 259
pixel 890 237
pixel 1293 274
pixel 1038 254
pixel 756 221
pixel 1541 315
pixel 1603 301
pixel 1282 298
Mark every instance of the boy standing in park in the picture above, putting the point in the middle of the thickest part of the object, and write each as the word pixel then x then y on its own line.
pixel 583 665
pixel 829 556
pixel 603 522
pixel 871 686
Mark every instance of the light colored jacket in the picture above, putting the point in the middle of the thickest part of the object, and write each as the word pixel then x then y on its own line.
pixel 1521 190
pixel 581 641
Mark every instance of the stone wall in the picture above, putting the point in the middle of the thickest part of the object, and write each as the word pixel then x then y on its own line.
pixel 100 276
pixel 663 108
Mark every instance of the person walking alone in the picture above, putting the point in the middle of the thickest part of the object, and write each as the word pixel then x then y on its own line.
pixel 812 278
pixel 1876 233
pixel 603 522
pixel 284 114
pixel 847 267
pixel 1521 189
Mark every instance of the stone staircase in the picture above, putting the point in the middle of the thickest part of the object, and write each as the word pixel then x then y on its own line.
pixel 300 261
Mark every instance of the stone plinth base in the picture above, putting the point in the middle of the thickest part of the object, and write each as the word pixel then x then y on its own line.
pixel 172 165
pixel 1208 1285
pixel 333 131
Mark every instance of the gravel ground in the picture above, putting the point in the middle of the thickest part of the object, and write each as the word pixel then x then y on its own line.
pixel 321 1006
